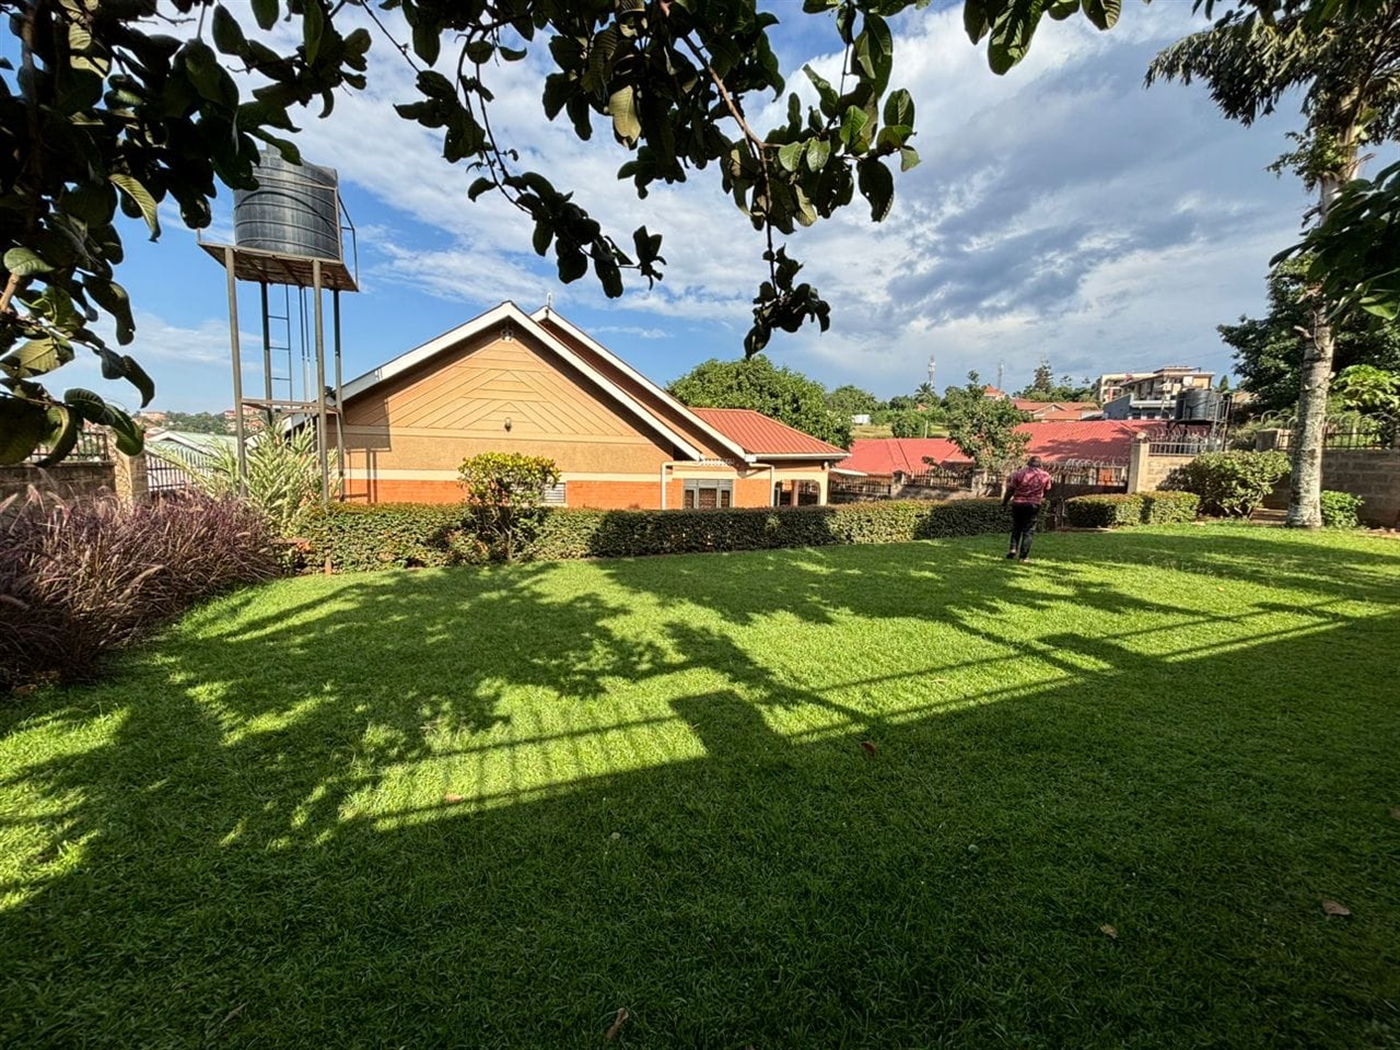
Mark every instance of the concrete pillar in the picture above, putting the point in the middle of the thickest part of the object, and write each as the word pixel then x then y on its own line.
pixel 130 477
pixel 1137 463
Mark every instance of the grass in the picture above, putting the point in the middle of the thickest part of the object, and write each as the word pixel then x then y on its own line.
pixel 490 808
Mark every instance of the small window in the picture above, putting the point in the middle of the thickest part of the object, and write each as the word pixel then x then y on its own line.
pixel 554 495
pixel 708 494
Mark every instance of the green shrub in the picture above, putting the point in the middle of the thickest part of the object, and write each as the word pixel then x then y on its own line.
pixel 504 492
pixel 81 578
pixel 357 538
pixel 284 477
pixel 1230 483
pixel 1139 508
pixel 1340 510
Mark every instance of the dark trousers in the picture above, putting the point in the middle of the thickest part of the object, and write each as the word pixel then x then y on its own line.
pixel 1023 527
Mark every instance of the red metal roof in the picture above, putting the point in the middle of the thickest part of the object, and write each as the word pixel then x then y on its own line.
pixel 1089 441
pixel 758 435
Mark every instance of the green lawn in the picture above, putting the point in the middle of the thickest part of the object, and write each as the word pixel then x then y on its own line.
pixel 1104 799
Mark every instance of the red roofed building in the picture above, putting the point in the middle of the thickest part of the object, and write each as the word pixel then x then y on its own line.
pixel 1100 441
pixel 509 381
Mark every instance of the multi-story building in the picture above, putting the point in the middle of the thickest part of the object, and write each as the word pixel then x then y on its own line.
pixel 1150 395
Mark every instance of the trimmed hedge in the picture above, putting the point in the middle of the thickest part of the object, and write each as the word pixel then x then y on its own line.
pixel 1138 508
pixel 356 538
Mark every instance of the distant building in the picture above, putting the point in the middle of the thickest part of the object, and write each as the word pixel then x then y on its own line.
pixel 860 419
pixel 1150 395
pixel 1058 411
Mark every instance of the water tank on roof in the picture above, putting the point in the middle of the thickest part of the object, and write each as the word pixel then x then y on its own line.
pixel 1200 405
pixel 294 210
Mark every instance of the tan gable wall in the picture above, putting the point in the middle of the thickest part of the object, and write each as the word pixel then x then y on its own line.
pixel 405 440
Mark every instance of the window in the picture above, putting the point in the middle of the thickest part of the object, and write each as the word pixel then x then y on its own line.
pixel 553 496
pixel 708 493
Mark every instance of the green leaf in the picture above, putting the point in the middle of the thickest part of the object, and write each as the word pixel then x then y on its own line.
pixel 313 27
pixel 427 42
pixel 790 155
pixel 36 357
pixel 479 52
pixel 131 438
pixel 542 238
pixel 138 195
pixel 622 106
pixel 830 103
pixel 573 264
pixel 976 21
pixel 899 108
pixel 1062 9
pixel 23 426
pixel 853 123
pixel 478 187
pixel 24 263
pixel 1103 13
pixel 87 404
pixel 876 185
pixel 228 35
pixel 62 437
pixel 137 377
pixel 818 152
pixel 265 11
pixel 908 158
pixel 112 297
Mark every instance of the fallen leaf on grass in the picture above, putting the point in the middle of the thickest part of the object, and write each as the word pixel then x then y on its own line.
pixel 1395 812
pixel 1333 908
pixel 869 746
pixel 449 797
pixel 617 1024
pixel 1106 928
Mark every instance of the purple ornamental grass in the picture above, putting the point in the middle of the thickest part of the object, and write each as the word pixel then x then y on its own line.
pixel 80 578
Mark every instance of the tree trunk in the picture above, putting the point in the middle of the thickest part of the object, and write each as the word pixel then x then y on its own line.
pixel 1305 485
pixel 1309 433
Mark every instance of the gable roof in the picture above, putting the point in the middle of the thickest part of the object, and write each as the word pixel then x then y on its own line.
pixel 765 438
pixel 1086 441
pixel 509 312
pixel 549 317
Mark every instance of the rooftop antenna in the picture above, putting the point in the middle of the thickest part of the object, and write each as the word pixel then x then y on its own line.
pixel 548 302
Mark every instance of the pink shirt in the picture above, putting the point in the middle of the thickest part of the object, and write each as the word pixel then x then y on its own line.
pixel 1028 485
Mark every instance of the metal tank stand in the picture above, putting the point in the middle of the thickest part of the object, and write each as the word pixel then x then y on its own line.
pixel 298 211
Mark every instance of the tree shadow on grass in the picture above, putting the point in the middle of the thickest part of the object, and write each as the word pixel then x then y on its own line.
pixel 286 842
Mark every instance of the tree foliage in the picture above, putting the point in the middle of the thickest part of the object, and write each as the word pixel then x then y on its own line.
pixel 984 428
pixel 1268 351
pixel 779 393
pixel 850 400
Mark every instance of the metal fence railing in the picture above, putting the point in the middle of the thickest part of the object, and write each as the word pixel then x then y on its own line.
pixel 92 447
pixel 1379 436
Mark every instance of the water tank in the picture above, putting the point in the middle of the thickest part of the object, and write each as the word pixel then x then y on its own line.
pixel 1199 405
pixel 293 211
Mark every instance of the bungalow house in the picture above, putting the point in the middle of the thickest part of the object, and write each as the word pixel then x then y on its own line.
pixel 509 381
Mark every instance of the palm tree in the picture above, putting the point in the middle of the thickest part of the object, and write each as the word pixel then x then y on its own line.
pixel 1348 68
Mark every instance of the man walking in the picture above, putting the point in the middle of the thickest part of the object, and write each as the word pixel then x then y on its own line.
pixel 1025 491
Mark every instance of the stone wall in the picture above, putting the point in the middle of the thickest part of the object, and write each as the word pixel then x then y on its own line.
pixel 1371 473
pixel 67 479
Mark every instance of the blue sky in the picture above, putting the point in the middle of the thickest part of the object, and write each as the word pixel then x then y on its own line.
pixel 1060 211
